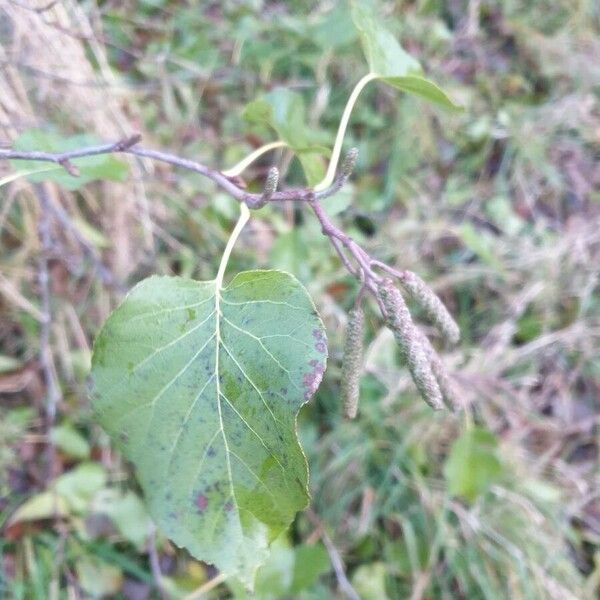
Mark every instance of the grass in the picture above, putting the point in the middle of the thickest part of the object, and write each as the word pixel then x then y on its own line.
pixel 496 207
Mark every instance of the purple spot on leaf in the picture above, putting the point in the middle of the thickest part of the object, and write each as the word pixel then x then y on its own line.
pixel 312 379
pixel 201 502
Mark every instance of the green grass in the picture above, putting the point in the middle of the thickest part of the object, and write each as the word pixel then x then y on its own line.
pixel 497 207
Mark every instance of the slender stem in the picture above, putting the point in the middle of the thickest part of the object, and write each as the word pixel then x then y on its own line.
pixel 246 162
pixel 14 176
pixel 336 560
pixel 337 147
pixel 401 275
pixel 155 566
pixel 206 587
pixel 243 219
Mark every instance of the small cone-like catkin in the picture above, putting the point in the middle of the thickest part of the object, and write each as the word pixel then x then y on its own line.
pixel 269 189
pixel 443 378
pixel 408 339
pixel 434 308
pixel 352 361
pixel 271 183
pixel 348 164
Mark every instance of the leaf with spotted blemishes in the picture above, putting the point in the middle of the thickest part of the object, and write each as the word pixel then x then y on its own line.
pixel 200 389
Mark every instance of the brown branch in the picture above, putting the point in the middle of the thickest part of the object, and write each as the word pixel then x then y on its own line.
pixel 130 145
pixel 354 258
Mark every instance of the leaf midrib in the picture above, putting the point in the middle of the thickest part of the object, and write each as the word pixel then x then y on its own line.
pixel 218 384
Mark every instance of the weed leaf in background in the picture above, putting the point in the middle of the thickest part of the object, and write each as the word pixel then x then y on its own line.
pixel 200 389
pixel 473 465
pixel 283 110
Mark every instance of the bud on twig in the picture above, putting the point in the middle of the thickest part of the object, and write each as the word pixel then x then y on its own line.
pixel 434 308
pixel 269 189
pixel 348 165
pixel 408 339
pixel 271 183
pixel 352 361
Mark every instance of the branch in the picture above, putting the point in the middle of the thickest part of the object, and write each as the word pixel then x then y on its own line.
pixel 130 146
pixel 354 258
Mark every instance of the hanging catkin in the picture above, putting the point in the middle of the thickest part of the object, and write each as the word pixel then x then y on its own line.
pixel 407 338
pixel 352 361
pixel 434 308
pixel 446 386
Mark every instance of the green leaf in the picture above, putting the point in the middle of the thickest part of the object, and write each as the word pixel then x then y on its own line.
pixel 283 110
pixel 70 441
pixel 8 363
pixel 334 30
pixel 288 571
pixel 70 493
pixel 290 253
pixel 382 51
pixel 200 390
pixel 98 578
pixel 91 168
pixel 389 61
pixel 480 243
pixel 79 485
pixel 127 512
pixel 311 562
pixel 44 505
pixel 369 581
pixel 420 86
pixel 472 465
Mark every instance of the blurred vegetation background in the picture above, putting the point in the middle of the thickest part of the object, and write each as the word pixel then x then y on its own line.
pixel 497 207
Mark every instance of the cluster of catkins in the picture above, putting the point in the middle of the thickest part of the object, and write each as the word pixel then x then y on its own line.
pixel 424 364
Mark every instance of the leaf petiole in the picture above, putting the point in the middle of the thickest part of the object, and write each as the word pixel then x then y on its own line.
pixel 242 220
pixel 337 147
pixel 246 162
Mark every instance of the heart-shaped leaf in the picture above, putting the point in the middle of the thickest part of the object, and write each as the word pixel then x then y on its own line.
pixel 200 389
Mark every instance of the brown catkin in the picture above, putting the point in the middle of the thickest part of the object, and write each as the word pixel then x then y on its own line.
pixel 409 341
pixel 443 378
pixel 434 308
pixel 352 361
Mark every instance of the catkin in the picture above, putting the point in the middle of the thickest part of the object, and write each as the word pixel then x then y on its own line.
pixel 348 164
pixel 352 361
pixel 446 386
pixel 434 308
pixel 271 182
pixel 408 339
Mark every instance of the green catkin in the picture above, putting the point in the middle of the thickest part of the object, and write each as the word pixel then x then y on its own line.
pixel 443 378
pixel 409 342
pixel 434 308
pixel 352 362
